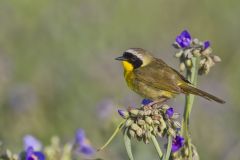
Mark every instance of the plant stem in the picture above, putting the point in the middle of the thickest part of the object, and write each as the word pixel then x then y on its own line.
pixel 157 147
pixel 192 77
pixel 169 148
pixel 128 146
pixel 119 127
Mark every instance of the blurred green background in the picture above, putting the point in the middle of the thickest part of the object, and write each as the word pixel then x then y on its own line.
pixel 58 73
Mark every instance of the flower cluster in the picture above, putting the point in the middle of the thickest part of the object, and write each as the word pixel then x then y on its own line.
pixel 150 119
pixel 189 48
pixel 82 144
pixel 33 147
pixel 34 150
pixel 185 152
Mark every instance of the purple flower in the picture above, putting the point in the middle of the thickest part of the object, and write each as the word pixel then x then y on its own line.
pixel 30 141
pixel 170 112
pixel 184 39
pixel 146 101
pixel 83 145
pixel 121 112
pixel 177 143
pixel 206 44
pixel 34 155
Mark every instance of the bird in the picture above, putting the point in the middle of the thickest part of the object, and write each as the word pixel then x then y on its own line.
pixel 152 78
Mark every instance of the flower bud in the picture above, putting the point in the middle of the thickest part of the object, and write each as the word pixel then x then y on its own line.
pixel 134 112
pixel 155 112
pixel 186 151
pixel 195 41
pixel 128 123
pixel 179 54
pixel 124 114
pixel 150 128
pixel 196 52
pixel 134 126
pixel 149 120
pixel 171 132
pixel 131 133
pixel 156 122
pixel 182 67
pixel 188 63
pixel 139 132
pixel 216 59
pixel 141 113
pixel 207 51
pixel 163 124
pixel 141 122
pixel 147 112
pixel 165 107
pixel 202 61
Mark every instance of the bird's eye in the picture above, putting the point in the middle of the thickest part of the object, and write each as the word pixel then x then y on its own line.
pixel 133 58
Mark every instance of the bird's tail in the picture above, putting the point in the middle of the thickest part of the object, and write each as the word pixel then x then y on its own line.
pixel 192 90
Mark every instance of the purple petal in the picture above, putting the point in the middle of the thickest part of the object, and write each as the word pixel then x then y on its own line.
pixel 83 144
pixel 122 113
pixel 206 44
pixel 170 112
pixel 80 136
pixel 146 101
pixel 184 39
pixel 29 152
pixel 178 39
pixel 186 34
pixel 177 143
pixel 31 155
pixel 87 150
pixel 30 141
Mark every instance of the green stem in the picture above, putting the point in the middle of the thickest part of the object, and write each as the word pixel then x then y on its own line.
pixel 127 142
pixel 119 127
pixel 169 148
pixel 192 77
pixel 157 147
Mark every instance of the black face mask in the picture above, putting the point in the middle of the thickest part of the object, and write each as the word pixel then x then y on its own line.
pixel 133 59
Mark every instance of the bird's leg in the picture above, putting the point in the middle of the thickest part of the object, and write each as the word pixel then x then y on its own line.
pixel 159 101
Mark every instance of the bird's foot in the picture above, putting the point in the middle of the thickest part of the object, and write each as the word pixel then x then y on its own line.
pixel 158 102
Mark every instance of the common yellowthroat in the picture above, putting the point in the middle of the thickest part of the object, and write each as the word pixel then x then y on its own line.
pixel 152 78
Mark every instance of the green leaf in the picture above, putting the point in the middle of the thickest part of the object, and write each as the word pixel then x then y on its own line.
pixel 157 147
pixel 119 127
pixel 127 142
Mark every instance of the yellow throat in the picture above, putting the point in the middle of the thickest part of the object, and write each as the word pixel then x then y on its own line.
pixel 128 67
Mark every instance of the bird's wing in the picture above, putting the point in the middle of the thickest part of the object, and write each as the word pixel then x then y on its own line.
pixel 160 76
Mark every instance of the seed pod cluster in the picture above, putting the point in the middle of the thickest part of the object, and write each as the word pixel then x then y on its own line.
pixel 145 121
pixel 199 49
pixel 184 154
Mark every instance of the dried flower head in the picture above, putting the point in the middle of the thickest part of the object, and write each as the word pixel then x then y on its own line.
pixel 189 48
pixel 157 119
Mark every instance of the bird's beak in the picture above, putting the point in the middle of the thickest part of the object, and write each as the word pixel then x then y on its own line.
pixel 120 58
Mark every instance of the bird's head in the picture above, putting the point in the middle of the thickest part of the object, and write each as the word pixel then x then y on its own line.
pixel 134 58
